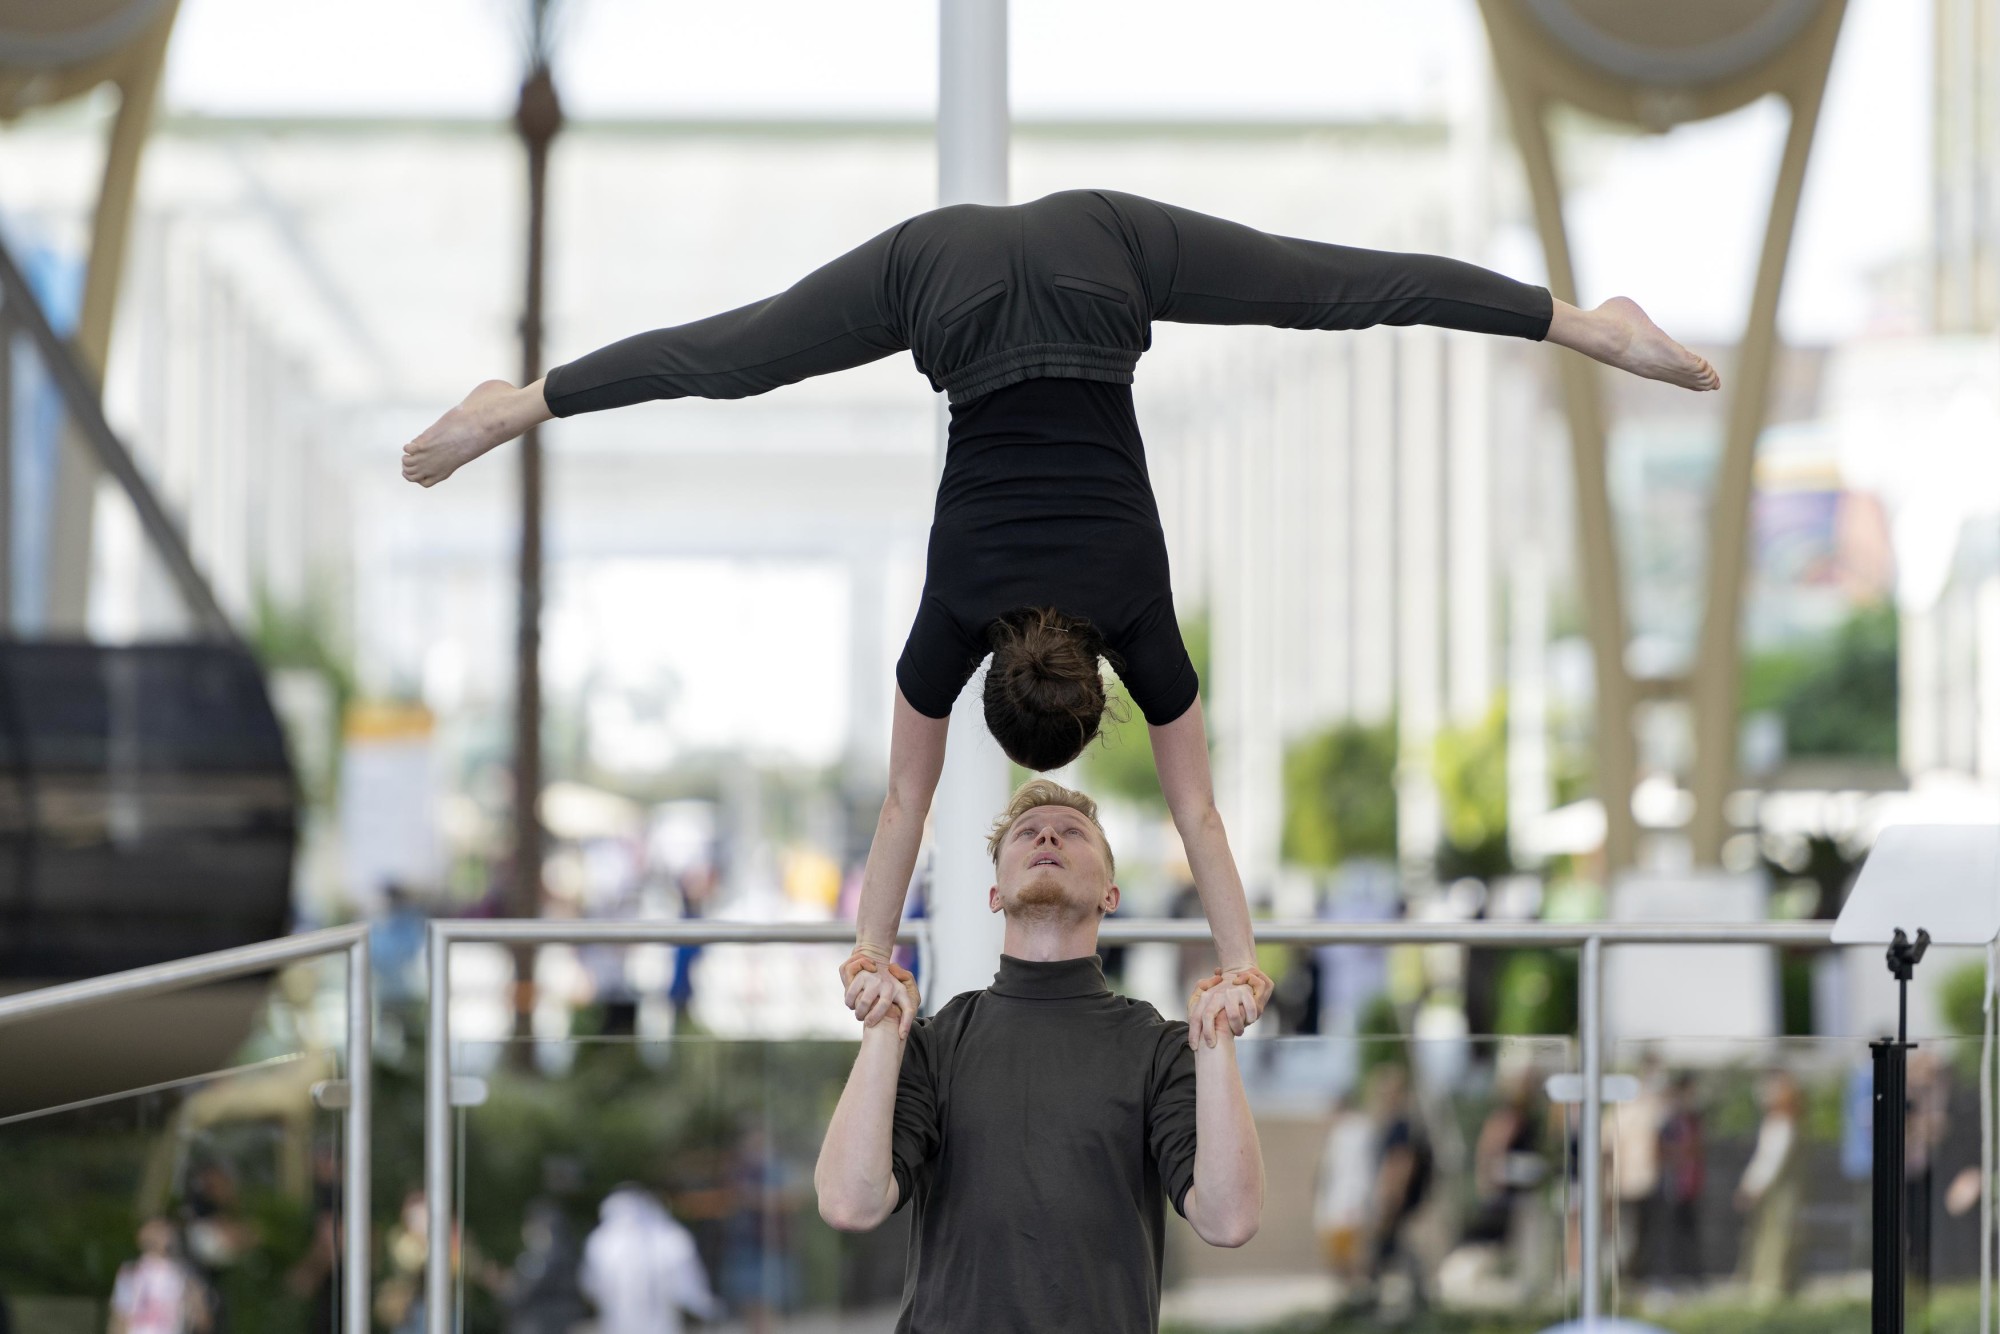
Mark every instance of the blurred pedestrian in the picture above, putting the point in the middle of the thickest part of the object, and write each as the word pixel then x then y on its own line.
pixel 1343 1205
pixel 399 1301
pixel 541 1294
pixel 1403 1166
pixel 759 1271
pixel 1683 1174
pixel 313 1277
pixel 158 1293
pixel 641 1269
pixel 1507 1161
pixel 1632 1135
pixel 697 887
pixel 214 1233
pixel 1770 1191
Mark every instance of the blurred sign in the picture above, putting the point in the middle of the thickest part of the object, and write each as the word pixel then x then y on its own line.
pixel 388 801
pixel 1690 992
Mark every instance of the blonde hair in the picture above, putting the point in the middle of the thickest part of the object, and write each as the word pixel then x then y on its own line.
pixel 1043 792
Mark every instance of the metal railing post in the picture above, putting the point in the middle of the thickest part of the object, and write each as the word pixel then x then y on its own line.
pixel 359 1229
pixel 437 1129
pixel 1590 1138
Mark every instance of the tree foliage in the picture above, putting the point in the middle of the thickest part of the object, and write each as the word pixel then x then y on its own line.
pixel 1837 696
pixel 1470 764
pixel 1121 761
pixel 1340 795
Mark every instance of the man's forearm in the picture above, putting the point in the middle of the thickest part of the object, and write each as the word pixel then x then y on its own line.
pixel 885 881
pixel 1216 879
pixel 1226 1200
pixel 854 1180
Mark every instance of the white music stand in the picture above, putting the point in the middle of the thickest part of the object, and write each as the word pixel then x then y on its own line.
pixel 1921 885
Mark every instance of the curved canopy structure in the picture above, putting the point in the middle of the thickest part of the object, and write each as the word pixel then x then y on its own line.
pixel 1683 45
pixel 1654 66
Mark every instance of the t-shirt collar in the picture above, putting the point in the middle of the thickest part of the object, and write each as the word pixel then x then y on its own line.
pixel 1058 979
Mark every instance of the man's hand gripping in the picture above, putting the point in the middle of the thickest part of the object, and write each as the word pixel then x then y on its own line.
pixel 877 988
pixel 1236 997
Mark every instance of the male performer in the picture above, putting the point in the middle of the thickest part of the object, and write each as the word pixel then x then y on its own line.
pixel 1040 1124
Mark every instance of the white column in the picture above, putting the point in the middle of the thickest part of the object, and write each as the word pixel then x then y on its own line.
pixel 1375 577
pixel 1469 494
pixel 972 135
pixel 1986 676
pixel 1919 684
pixel 870 668
pixel 1529 793
pixel 1470 584
pixel 1420 498
pixel 1330 612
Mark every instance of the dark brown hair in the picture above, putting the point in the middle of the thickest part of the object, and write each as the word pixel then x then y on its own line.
pixel 1044 697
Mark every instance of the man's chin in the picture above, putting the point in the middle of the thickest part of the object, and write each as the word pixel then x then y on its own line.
pixel 1040 899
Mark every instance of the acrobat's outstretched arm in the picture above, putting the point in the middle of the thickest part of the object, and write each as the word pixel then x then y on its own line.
pixel 833 319
pixel 916 759
pixel 1180 756
pixel 1208 270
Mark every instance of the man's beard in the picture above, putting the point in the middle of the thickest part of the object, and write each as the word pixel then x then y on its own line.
pixel 1041 900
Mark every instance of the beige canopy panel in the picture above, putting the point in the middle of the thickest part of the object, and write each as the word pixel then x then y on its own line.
pixel 50 51
pixel 1653 66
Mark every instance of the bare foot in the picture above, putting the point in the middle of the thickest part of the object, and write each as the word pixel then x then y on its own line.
pixel 492 414
pixel 1620 334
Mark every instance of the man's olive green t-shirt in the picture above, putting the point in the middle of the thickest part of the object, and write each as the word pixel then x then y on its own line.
pixel 1040 1125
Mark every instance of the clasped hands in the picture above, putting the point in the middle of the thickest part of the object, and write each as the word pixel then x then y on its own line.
pixel 1235 997
pixel 876 987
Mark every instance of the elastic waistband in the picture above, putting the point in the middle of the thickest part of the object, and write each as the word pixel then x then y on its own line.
pixel 1075 361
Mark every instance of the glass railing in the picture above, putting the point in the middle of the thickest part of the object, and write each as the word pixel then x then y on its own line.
pixel 1737 1184
pixel 715 1141
pixel 220 1192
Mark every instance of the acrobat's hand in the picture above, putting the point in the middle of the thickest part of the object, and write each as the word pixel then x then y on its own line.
pixel 1237 997
pixel 876 987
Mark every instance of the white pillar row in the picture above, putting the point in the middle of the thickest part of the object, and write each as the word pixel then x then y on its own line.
pixel 972 140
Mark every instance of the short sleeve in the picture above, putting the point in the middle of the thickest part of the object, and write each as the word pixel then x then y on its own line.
pixel 938 659
pixel 914 1137
pixel 1170 1134
pixel 1153 662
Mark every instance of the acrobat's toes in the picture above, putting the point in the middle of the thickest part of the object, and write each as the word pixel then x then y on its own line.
pixel 1632 342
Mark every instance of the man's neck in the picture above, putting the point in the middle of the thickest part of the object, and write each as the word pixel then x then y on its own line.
pixel 1046 940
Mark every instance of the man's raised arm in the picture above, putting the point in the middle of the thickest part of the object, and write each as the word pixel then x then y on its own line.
pixel 1227 1198
pixel 855 1177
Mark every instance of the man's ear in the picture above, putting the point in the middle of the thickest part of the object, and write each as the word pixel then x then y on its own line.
pixel 1109 903
pixel 993 899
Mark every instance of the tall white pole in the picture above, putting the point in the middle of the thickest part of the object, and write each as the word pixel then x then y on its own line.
pixel 972 137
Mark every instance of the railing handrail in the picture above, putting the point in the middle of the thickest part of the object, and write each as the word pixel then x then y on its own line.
pixel 1145 931
pixel 154 979
pixel 242 961
pixel 1592 938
